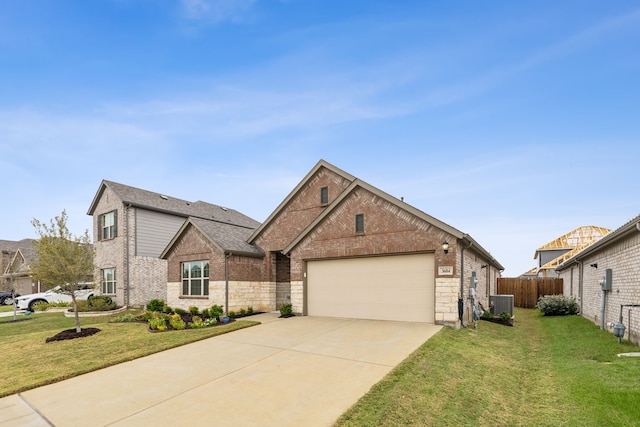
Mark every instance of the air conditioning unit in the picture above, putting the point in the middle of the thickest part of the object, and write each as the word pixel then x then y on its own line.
pixel 500 304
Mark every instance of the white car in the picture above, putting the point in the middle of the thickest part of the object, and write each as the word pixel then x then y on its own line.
pixel 26 302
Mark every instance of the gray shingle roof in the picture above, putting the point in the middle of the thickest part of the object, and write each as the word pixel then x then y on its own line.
pixel 228 237
pixel 12 246
pixel 160 202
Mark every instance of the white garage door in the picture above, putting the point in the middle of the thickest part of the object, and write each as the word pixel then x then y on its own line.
pixel 398 287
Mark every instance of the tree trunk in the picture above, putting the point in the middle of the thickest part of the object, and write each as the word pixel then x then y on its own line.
pixel 75 310
pixel 15 304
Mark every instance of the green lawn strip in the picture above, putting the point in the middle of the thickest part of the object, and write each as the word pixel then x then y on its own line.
pixel 604 388
pixel 6 308
pixel 32 362
pixel 529 374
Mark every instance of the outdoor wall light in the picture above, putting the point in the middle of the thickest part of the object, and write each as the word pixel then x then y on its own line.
pixel 594 265
pixel 445 247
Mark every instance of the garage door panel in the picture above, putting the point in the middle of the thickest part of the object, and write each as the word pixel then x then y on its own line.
pixel 386 288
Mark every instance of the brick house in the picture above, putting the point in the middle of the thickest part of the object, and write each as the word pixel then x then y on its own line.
pixel 337 246
pixel 132 227
pixel 14 266
pixel 583 272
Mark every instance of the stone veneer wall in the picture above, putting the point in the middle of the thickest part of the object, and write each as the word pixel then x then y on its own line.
pixel 242 294
pixel 446 298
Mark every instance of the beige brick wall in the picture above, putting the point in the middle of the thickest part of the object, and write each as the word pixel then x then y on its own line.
pixel 147 275
pixel 110 253
pixel 623 257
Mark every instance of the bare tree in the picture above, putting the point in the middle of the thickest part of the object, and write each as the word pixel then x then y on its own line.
pixel 62 259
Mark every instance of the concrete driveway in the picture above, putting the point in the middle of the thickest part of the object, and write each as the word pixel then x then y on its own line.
pixel 286 372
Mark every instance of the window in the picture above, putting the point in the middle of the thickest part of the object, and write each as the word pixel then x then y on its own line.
pixel 195 278
pixel 108 229
pixel 109 281
pixel 324 195
pixel 360 223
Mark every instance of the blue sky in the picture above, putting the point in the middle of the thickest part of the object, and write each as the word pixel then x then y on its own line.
pixel 514 122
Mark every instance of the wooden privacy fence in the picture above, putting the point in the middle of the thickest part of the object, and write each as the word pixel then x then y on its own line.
pixel 527 291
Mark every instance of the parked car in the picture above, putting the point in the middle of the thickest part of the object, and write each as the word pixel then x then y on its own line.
pixel 5 298
pixel 26 302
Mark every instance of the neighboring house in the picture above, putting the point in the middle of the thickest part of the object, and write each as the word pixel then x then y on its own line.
pixel 14 266
pixel 336 246
pixel 132 227
pixel 582 274
pixel 550 255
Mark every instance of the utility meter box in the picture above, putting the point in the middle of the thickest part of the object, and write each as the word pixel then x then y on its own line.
pixel 618 330
pixel 606 281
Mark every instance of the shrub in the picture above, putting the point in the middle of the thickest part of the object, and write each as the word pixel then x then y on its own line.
pixel 155 305
pixel 167 310
pixel 232 313
pixel 126 318
pixel 243 312
pixel 286 309
pixel 158 323
pixel 41 306
pixel 147 315
pixel 205 313
pixel 176 322
pixel 504 316
pixel 210 321
pixel 196 322
pixel 249 310
pixel 96 303
pixel 179 311
pixel 193 310
pixel 557 305
pixel 216 311
pixel 486 315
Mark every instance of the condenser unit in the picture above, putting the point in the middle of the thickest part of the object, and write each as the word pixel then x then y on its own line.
pixel 500 304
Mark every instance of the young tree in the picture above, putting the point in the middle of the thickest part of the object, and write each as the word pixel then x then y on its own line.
pixel 62 259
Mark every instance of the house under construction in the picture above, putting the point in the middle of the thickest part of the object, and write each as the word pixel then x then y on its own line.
pixel 552 254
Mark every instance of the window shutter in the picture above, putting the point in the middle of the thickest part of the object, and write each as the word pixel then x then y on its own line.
pixel 115 223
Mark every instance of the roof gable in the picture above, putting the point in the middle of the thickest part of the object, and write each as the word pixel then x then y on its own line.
pixel 296 191
pixel 357 183
pixel 226 237
pixel 632 226
pixel 579 238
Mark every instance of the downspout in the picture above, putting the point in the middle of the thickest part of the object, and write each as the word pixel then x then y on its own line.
pixel 461 298
pixel 126 220
pixel 226 282
pixel 580 282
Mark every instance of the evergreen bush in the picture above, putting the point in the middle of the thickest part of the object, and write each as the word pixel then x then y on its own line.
pixel 557 305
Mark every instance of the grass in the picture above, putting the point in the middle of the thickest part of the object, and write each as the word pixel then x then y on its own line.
pixel 29 362
pixel 6 308
pixel 544 371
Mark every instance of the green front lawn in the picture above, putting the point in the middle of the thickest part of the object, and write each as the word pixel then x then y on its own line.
pixel 28 362
pixel 544 371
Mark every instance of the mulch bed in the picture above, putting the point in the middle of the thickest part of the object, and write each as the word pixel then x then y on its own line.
pixel 285 316
pixel 500 321
pixel 70 334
